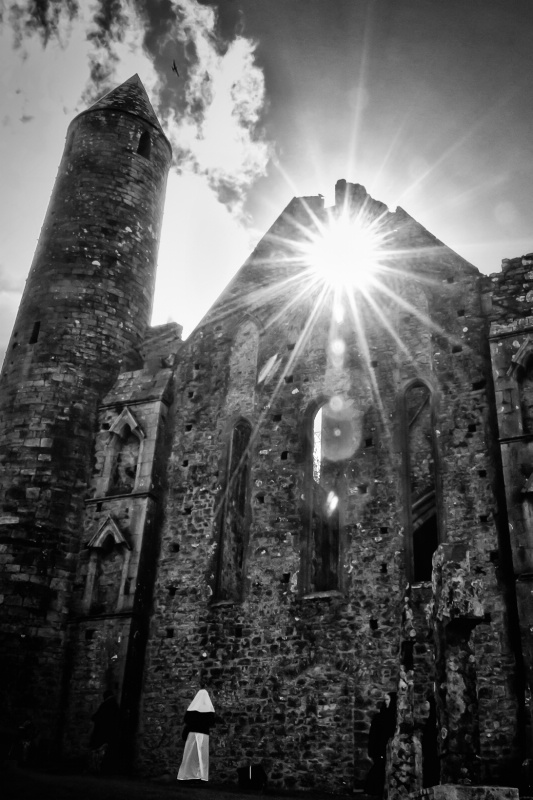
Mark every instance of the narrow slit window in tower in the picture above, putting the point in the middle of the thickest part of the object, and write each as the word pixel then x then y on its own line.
pixel 145 145
pixel 35 332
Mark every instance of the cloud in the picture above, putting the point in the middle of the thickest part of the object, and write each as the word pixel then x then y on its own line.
pixel 215 126
pixel 217 132
pixel 68 54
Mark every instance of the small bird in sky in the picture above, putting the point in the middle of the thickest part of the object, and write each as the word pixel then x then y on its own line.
pixel 174 68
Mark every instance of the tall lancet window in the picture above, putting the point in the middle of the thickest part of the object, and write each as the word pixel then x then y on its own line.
pixel 421 485
pixel 332 435
pixel 235 515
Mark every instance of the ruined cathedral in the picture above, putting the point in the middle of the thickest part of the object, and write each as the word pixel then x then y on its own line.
pixel 312 502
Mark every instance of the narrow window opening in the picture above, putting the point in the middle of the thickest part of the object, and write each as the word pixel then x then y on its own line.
pixel 461 312
pixel 332 431
pixel 482 473
pixel 374 364
pixel 472 428
pixel 289 378
pixel 384 568
pixel 369 442
pixel 174 548
pixel 457 349
pixel 185 463
pixel 89 634
pixel 260 498
pixel 35 332
pixel 188 427
pixel 284 455
pixel 290 347
pixel 373 624
pixel 145 145
pixel 276 417
pixel 172 591
pixel 235 516
pixel 477 385
pixel 317 446
pixel 170 633
pixel 425 542
pixel 421 482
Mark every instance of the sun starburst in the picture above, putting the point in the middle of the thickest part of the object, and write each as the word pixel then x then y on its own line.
pixel 347 252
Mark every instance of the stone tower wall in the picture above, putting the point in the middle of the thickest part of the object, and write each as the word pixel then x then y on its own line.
pixel 87 300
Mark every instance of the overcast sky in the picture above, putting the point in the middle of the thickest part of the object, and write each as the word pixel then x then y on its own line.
pixel 425 102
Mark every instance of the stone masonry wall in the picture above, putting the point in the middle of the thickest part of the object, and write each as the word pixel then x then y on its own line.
pixel 87 300
pixel 296 675
pixel 509 297
pixel 107 627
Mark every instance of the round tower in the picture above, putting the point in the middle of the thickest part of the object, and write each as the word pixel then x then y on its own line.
pixel 87 300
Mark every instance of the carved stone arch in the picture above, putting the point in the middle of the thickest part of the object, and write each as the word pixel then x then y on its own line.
pixel 108 528
pixel 420 476
pixel 126 418
pixel 123 454
pixel 120 551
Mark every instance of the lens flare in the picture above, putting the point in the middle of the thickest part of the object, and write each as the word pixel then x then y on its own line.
pixel 346 253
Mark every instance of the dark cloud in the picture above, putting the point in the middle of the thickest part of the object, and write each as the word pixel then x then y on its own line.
pixel 26 118
pixel 218 77
pixel 40 16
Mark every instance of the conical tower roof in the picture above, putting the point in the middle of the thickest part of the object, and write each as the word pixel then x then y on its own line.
pixel 130 96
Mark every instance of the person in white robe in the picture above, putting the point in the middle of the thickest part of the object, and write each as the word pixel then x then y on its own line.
pixel 199 718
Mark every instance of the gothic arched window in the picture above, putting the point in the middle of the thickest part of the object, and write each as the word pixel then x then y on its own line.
pixel 420 481
pixel 332 434
pixel 324 510
pixel 235 515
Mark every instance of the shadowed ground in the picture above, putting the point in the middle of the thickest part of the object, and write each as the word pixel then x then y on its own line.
pixel 18 784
